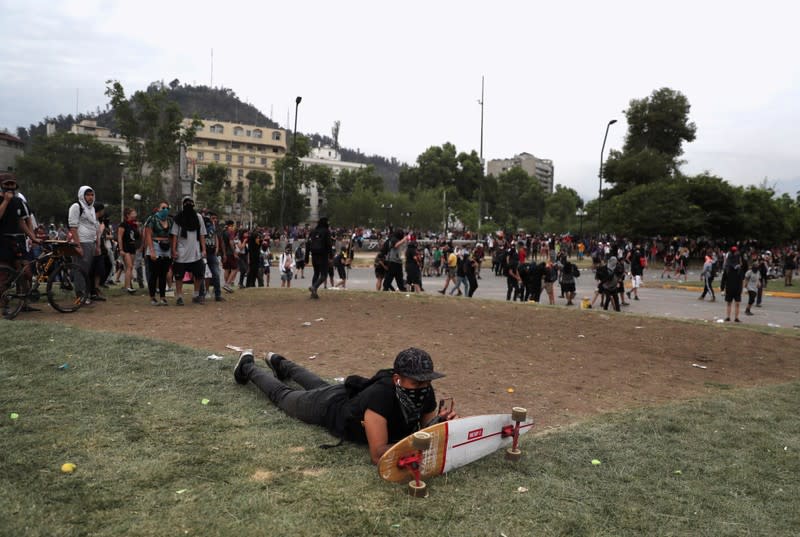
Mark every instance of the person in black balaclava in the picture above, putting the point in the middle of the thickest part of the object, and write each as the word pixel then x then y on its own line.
pixel 318 248
pixel 188 235
pixel 378 411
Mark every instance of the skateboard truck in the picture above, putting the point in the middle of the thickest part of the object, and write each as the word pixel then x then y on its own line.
pixel 420 441
pixel 518 415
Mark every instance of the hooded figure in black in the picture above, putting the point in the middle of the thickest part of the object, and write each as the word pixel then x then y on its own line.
pixel 187 218
pixel 319 246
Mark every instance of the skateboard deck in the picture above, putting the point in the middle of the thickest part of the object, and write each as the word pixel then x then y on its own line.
pixel 453 444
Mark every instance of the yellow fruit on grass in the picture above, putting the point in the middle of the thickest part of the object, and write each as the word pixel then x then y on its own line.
pixel 68 467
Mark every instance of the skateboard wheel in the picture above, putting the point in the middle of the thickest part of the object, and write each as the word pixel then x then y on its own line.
pixel 519 414
pixel 513 454
pixel 418 491
pixel 421 440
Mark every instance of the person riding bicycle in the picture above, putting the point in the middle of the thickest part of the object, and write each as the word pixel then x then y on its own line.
pixel 13 229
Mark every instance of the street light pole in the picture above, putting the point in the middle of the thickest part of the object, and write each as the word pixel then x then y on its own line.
pixel 480 190
pixel 600 176
pixel 122 192
pixel 580 213
pixel 294 149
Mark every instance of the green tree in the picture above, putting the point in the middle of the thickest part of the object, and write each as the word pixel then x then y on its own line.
pixel 658 126
pixel 210 191
pixel 443 166
pixel 152 126
pixel 520 200
pixel 347 181
pixel 560 209
pixel 56 166
pixel 261 178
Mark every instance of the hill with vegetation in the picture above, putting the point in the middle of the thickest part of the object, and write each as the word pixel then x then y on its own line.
pixel 221 104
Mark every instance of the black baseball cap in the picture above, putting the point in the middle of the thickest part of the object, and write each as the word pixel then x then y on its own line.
pixel 415 364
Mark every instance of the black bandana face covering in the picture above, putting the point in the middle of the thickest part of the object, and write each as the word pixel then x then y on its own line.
pixel 411 401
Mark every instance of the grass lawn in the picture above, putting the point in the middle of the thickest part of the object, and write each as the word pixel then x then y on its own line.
pixel 152 459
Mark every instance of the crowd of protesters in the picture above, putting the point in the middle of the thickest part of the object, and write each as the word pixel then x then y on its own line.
pixel 157 254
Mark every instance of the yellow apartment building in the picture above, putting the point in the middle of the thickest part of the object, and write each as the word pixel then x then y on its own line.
pixel 240 148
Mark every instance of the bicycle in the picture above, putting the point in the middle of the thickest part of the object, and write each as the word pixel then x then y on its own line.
pixel 54 266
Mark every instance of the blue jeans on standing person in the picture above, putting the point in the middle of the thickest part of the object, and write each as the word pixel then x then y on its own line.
pixel 310 404
pixel 213 267
pixel 459 281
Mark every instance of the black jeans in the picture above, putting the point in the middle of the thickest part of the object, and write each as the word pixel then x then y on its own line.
pixel 513 287
pixel 395 272
pixel 609 298
pixel 320 264
pixel 310 404
pixel 157 275
pixel 254 275
pixel 473 285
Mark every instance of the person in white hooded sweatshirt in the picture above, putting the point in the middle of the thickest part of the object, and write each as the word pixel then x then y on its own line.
pixel 85 230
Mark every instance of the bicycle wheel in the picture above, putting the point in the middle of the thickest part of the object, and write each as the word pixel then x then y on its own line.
pixel 67 285
pixel 12 299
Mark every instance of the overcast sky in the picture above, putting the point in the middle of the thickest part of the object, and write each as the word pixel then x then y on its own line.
pixel 403 76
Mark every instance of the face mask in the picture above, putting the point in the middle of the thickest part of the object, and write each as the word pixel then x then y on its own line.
pixel 162 213
pixel 411 401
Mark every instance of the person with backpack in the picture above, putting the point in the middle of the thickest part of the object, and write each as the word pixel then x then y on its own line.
pixel 567 273
pixel 394 261
pixel 85 230
pixel 378 411
pixel 157 243
pixel 638 263
pixel 608 287
pixel 300 262
pixel 213 272
pixel 731 284
pixel 286 267
pixel 319 247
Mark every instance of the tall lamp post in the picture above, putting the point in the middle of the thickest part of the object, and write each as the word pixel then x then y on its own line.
pixel 580 213
pixel 294 149
pixel 122 192
pixel 480 190
pixel 600 176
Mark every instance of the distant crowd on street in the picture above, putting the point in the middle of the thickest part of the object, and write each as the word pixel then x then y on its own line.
pixel 170 246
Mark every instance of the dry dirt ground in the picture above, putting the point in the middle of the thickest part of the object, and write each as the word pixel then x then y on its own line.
pixel 562 364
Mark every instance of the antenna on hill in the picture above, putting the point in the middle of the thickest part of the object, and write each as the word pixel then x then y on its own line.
pixel 212 69
pixel 77 93
pixel 335 132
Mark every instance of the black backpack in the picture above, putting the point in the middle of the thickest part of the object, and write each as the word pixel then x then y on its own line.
pixel 387 245
pixel 355 384
pixel 318 243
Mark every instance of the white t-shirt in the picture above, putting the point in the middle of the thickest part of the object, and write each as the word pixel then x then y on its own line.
pixel 188 247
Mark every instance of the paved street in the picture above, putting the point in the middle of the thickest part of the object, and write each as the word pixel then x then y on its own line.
pixel 676 303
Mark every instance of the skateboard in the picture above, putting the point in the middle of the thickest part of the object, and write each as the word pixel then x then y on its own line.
pixel 448 445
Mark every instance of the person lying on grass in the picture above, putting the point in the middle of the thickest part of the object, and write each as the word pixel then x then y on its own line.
pixel 379 411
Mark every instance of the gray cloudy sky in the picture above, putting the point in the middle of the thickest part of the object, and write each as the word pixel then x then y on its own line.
pixel 402 76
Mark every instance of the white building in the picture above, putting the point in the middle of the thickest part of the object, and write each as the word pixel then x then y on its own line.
pixel 330 158
pixel 541 169
pixel 11 147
